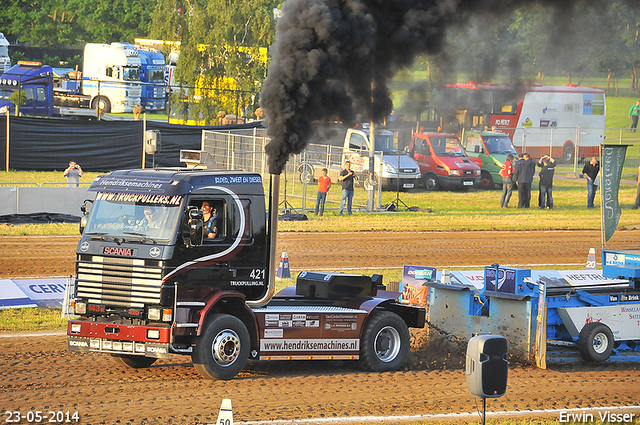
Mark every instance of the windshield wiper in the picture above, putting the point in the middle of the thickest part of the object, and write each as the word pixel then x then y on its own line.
pixel 98 235
pixel 143 237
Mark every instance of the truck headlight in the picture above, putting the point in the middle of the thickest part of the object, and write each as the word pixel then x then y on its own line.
pixel 478 172
pixel 454 172
pixel 3 110
pixel 389 168
pixel 81 307
pixel 154 313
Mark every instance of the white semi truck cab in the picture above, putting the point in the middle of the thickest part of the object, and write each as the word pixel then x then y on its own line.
pixel 112 76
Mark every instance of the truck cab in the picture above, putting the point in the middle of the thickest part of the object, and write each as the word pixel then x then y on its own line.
pixel 490 149
pixel 5 60
pixel 152 76
pixel 36 83
pixel 394 164
pixel 151 281
pixel 443 162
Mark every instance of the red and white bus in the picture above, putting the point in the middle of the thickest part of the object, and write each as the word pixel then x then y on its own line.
pixel 561 121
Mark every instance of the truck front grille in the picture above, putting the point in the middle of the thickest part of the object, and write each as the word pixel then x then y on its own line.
pixel 122 282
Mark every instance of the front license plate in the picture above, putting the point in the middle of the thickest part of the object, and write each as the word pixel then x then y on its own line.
pixel 407 185
pixel 467 183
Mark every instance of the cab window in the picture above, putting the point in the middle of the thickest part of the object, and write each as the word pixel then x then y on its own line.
pixel 214 212
pixel 356 141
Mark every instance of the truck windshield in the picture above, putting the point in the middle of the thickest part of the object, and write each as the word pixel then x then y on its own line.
pixel 384 143
pixel 156 75
pixel 6 94
pixel 448 146
pixel 129 216
pixel 130 73
pixel 499 144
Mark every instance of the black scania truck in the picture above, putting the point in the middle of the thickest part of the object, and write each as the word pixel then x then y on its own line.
pixel 151 281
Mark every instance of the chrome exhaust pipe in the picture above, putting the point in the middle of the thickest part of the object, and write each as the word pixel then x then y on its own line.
pixel 274 197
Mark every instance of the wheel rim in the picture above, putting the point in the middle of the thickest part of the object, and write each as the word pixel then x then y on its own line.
pixel 226 347
pixel 430 183
pixel 387 344
pixel 568 154
pixel 600 343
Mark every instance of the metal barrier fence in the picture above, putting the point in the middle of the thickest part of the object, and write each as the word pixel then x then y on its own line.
pixel 244 150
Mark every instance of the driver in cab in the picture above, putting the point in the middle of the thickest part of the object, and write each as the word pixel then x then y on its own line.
pixel 210 217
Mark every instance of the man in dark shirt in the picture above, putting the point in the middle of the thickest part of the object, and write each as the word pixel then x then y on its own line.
pixel 523 175
pixel 548 168
pixel 590 171
pixel 347 176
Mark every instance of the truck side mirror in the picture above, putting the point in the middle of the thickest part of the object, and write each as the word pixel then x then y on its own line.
pixel 85 214
pixel 196 227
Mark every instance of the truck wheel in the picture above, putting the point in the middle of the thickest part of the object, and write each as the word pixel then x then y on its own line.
pixel 223 348
pixel 306 173
pixel 486 181
pixel 595 342
pixel 568 152
pixel 135 362
pixel 103 102
pixel 385 342
pixel 430 182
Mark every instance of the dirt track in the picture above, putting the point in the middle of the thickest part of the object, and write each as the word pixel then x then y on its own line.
pixel 40 256
pixel 39 373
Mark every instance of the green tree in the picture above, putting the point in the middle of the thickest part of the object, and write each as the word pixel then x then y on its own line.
pixel 223 46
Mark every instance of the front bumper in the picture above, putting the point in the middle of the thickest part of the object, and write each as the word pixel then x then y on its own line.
pixel 148 341
pixel 455 181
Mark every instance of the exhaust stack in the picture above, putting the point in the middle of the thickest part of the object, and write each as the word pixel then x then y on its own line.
pixel 274 194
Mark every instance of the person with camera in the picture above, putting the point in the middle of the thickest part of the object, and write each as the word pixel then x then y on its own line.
pixel 73 174
pixel 347 176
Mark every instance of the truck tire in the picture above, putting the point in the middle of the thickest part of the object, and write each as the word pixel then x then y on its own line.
pixel 486 181
pixel 595 342
pixel 431 182
pixel 136 362
pixel 103 102
pixel 568 153
pixel 222 349
pixel 384 343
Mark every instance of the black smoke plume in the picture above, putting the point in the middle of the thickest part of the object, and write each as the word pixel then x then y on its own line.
pixel 330 53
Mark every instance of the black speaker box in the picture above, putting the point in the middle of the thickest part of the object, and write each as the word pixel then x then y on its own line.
pixel 487 366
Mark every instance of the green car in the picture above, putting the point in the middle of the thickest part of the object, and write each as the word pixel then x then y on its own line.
pixel 489 149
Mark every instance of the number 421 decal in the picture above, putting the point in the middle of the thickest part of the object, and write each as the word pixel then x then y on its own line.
pixel 257 274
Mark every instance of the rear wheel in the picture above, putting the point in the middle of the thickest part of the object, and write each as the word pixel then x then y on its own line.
pixel 223 348
pixel 102 103
pixel 595 342
pixel 385 342
pixel 568 153
pixel 431 182
pixel 370 183
pixel 136 362
pixel 486 181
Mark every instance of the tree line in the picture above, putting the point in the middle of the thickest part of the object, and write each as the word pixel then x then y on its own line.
pixel 598 38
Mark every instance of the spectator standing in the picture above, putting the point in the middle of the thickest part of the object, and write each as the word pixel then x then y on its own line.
pixel 590 171
pixel 548 168
pixel 523 175
pixel 507 181
pixel 347 177
pixel 634 113
pixel 324 184
pixel 637 204
pixel 73 174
